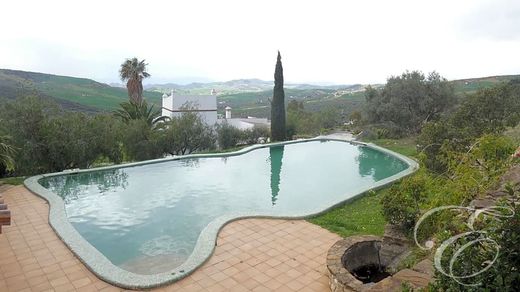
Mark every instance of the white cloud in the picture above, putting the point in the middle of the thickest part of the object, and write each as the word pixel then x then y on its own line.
pixel 325 41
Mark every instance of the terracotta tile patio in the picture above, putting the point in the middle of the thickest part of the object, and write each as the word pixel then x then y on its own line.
pixel 251 255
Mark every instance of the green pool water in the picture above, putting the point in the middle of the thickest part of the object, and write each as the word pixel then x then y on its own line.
pixel 146 219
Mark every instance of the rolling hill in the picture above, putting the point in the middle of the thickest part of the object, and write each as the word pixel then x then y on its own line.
pixel 347 99
pixel 72 93
pixel 234 86
pixel 247 97
pixel 471 85
pixel 257 103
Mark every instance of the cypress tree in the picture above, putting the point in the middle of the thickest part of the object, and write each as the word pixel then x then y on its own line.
pixel 278 104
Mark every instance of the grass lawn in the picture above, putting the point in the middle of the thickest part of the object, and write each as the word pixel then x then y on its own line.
pixel 361 216
pixel 405 146
pixel 13 180
pixel 364 214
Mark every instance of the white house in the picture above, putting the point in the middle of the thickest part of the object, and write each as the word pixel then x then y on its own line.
pixel 174 105
pixel 244 123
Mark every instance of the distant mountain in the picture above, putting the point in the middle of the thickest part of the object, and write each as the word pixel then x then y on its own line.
pixel 233 86
pixel 72 93
pixel 114 84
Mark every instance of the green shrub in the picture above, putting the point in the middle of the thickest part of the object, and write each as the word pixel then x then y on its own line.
pixel 49 139
pixel 503 274
pixel 303 122
pixel 401 204
pixel 409 100
pixel 186 134
pixel 487 112
pixel 141 142
pixel 228 136
pixel 252 136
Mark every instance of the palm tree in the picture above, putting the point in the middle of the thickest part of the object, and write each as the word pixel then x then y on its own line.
pixel 6 153
pixel 133 72
pixel 140 111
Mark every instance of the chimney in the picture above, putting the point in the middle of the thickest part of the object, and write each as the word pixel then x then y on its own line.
pixel 228 112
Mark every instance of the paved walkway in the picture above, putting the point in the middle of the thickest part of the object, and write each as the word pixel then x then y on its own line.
pixel 251 255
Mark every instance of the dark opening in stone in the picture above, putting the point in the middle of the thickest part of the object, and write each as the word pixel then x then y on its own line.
pixel 355 264
pixel 372 273
pixel 363 261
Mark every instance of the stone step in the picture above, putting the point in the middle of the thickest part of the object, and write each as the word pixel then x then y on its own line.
pixel 416 279
pixel 425 266
pixel 482 203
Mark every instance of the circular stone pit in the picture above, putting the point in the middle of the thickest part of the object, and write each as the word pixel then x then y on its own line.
pixel 354 263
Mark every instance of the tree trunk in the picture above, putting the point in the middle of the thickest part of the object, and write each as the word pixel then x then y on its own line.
pixel 135 91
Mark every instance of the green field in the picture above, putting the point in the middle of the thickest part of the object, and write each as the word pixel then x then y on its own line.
pixel 88 92
pixel 472 85
pixel 257 103
pixel 71 92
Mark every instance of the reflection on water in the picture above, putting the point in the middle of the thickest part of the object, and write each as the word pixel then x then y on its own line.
pixel 73 186
pixel 147 218
pixel 191 162
pixel 377 164
pixel 275 159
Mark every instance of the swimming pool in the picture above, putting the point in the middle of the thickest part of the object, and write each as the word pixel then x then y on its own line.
pixel 158 221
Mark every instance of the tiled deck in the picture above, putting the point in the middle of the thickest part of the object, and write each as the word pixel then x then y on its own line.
pixel 252 255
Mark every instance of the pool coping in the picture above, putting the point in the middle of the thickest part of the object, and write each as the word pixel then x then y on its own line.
pixel 101 266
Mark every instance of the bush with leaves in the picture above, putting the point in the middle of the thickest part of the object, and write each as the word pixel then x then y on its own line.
pixel 24 121
pixel 141 134
pixel 76 140
pixel 7 153
pixel 401 204
pixel 303 122
pixel 228 136
pixel 49 139
pixel 253 136
pixel 489 111
pixel 141 142
pixel 409 100
pixel 405 201
pixel 502 275
pixel 186 134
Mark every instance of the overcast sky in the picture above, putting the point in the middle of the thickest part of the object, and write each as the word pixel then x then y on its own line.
pixel 321 41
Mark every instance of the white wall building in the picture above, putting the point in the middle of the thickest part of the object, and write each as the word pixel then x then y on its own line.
pixel 244 123
pixel 174 105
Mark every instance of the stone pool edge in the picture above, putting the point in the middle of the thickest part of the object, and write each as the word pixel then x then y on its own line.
pixel 98 264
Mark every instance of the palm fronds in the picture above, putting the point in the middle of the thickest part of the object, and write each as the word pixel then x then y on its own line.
pixel 140 111
pixel 7 153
